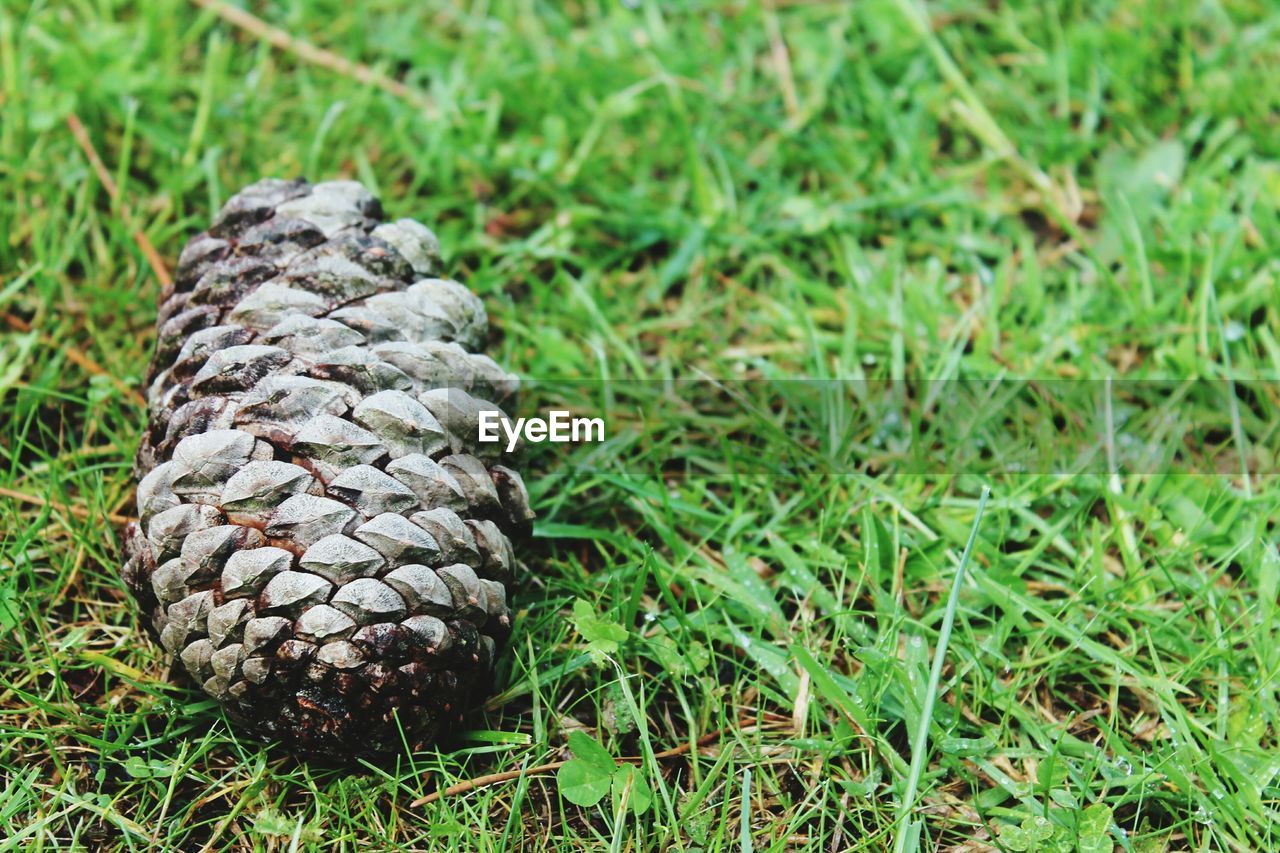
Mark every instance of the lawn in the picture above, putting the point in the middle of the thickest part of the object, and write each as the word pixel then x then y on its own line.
pixel 732 606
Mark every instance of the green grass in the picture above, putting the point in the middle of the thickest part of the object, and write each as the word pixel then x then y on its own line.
pixel 1064 190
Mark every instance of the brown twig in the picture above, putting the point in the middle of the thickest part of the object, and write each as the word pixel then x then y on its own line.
pixel 77 511
pixel 144 245
pixel 781 61
pixel 508 775
pixel 83 361
pixel 91 366
pixel 308 52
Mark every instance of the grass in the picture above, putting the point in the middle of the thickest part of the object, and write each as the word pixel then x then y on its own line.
pixel 1061 190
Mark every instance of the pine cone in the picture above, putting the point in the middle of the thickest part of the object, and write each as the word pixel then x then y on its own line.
pixel 322 541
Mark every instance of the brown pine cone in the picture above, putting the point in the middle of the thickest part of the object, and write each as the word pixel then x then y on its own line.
pixel 322 541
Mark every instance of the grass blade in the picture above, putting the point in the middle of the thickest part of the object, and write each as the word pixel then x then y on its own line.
pixel 908 829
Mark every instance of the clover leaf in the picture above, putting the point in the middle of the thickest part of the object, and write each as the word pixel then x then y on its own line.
pixel 592 772
pixel 603 636
pixel 586 778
